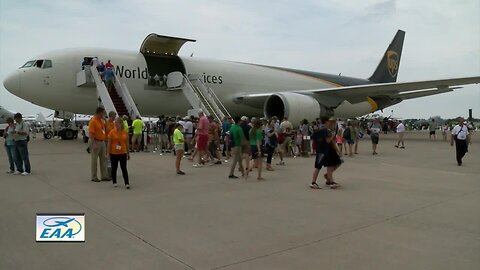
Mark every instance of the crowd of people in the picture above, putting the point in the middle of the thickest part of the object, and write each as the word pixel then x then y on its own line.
pixel 245 143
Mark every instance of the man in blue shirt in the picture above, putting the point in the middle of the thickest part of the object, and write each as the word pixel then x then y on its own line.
pixel 108 75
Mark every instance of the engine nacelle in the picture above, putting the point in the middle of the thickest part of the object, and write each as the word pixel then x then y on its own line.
pixel 292 105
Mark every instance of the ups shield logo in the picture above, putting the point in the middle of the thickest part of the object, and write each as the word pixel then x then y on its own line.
pixel 392 63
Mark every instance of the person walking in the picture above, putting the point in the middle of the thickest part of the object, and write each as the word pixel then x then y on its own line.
pixel 400 132
pixel 256 139
pixel 349 138
pixel 10 145
pixel 117 151
pixel 432 128
pixel 179 142
pixel 461 137
pixel 201 137
pixel 323 138
pixel 97 139
pixel 237 137
pixel 270 143
pixel 374 130
pixel 20 136
pixel 332 159
pixel 137 126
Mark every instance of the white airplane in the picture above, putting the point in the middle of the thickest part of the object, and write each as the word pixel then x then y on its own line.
pixel 51 80
pixel 4 114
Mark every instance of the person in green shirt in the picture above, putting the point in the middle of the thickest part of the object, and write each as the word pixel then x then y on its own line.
pixel 137 126
pixel 237 137
pixel 179 142
pixel 256 139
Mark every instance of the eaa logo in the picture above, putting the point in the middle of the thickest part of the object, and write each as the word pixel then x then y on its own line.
pixel 392 63
pixel 70 228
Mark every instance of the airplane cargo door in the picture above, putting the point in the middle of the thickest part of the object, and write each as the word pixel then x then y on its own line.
pixel 159 66
pixel 161 55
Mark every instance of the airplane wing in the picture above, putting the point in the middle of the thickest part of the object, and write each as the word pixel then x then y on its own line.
pixel 358 93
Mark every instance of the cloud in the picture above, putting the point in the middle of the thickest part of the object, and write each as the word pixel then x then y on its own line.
pixel 326 36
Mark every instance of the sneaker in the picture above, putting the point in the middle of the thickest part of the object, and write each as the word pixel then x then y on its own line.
pixel 396 146
pixel 115 185
pixel 197 165
pixel 315 186
pixel 180 172
pixel 233 177
pixel 281 163
pixel 9 172
pixel 25 173
pixel 95 180
pixel 127 186
pixel 403 147
pixel 17 173
pixel 106 179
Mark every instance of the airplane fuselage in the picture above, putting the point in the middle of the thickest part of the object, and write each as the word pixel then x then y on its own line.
pixel 56 88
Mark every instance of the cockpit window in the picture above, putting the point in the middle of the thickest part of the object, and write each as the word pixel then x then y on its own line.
pixel 47 64
pixel 28 64
pixel 38 64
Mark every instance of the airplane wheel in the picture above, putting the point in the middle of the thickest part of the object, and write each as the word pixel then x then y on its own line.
pixel 47 135
pixel 68 134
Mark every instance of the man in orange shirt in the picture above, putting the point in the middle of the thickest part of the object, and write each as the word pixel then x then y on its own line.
pixel 110 122
pixel 98 137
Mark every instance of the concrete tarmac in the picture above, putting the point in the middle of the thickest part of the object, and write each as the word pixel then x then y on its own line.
pixel 410 208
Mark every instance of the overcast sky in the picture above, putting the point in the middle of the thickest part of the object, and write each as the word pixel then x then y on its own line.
pixel 349 37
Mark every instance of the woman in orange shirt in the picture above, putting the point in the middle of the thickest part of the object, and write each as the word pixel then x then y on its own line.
pixel 117 151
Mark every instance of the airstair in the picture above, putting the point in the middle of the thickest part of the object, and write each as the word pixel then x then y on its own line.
pixel 117 99
pixel 200 96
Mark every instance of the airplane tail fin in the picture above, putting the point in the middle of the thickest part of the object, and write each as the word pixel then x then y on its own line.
pixel 387 70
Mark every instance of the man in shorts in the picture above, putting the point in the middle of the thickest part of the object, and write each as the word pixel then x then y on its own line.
pixel 201 135
pixel 323 138
pixel 137 126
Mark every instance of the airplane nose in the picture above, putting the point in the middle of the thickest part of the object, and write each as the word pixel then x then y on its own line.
pixel 12 83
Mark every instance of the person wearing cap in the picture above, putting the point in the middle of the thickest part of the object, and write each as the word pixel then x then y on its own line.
pixel 20 136
pixel 97 139
pixel 461 137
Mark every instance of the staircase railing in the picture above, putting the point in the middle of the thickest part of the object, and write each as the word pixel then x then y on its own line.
pixel 124 93
pixel 102 92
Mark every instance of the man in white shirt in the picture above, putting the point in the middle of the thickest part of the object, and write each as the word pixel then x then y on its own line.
pixel 461 136
pixel 400 132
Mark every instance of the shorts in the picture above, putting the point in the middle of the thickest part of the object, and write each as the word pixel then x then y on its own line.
pixel 374 139
pixel 319 160
pixel 350 141
pixel 432 132
pixel 254 151
pixel 179 147
pixel 202 141
pixel 246 149
pixel 137 138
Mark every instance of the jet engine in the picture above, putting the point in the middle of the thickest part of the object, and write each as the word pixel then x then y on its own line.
pixel 294 106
